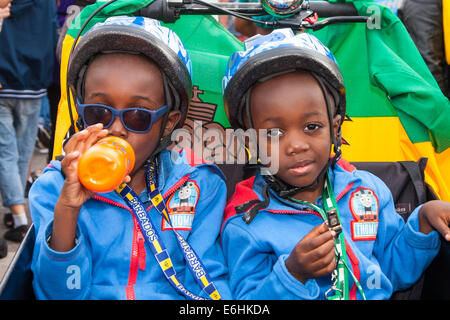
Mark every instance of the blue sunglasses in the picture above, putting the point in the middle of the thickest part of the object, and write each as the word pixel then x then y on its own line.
pixel 139 120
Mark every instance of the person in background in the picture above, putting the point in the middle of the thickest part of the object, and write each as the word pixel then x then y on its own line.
pixel 423 20
pixel 228 22
pixel 4 13
pixel 248 28
pixel 27 44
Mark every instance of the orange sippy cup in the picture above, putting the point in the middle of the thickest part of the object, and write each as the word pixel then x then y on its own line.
pixel 104 166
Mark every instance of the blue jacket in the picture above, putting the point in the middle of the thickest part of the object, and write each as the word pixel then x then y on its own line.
pixel 385 254
pixel 111 259
pixel 27 49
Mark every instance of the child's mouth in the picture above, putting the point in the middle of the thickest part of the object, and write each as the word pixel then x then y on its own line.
pixel 301 170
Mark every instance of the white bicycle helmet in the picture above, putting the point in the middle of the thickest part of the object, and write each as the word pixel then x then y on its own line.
pixel 276 53
pixel 269 56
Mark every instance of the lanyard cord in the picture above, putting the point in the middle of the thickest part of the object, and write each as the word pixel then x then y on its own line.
pixel 196 267
pixel 156 245
pixel 339 276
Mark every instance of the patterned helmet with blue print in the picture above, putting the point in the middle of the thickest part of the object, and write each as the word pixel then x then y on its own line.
pixel 276 53
pixel 137 35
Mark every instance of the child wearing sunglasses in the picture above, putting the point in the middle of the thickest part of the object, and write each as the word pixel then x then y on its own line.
pixel 316 228
pixel 156 236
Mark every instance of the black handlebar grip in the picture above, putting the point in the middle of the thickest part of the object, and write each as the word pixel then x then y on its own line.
pixel 328 9
pixel 161 10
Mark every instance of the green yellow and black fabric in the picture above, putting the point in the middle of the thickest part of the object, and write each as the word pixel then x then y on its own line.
pixel 395 109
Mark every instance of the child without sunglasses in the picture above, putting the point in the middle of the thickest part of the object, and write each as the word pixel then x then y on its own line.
pixel 317 228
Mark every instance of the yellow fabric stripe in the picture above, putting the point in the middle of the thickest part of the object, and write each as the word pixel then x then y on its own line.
pixel 373 139
pixel 157 199
pixel 204 281
pixel 215 295
pixel 166 264
pixel 63 119
pixel 157 246
pixel 121 187
pixel 175 280
pixel 385 139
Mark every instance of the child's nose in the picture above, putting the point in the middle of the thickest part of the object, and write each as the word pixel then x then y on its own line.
pixel 117 129
pixel 296 145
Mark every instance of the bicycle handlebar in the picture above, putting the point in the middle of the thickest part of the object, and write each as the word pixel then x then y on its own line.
pixel 170 10
pixel 323 8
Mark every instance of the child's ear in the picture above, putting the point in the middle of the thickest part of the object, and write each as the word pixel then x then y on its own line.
pixel 172 120
pixel 336 124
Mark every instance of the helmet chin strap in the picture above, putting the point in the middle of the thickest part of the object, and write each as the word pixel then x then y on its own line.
pixel 281 188
pixel 285 190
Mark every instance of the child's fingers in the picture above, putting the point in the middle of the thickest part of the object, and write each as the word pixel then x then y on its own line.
pixel 324 249
pixel 85 138
pixel 91 135
pixel 70 158
pixel 313 264
pixel 442 227
pixel 326 264
pixel 316 231
pixel 74 141
pixel 94 137
pixel 322 228
pixel 95 128
pixel 327 268
pixel 435 215
pixel 127 179
pixel 317 237
pixel 69 165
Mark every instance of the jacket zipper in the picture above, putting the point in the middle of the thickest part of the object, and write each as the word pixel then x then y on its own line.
pixel 135 252
pixel 132 275
pixel 344 191
pixel 141 249
pixel 294 212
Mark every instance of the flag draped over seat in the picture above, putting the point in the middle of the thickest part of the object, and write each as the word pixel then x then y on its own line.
pixel 395 109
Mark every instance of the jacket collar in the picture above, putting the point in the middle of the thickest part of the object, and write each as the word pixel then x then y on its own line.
pixel 342 176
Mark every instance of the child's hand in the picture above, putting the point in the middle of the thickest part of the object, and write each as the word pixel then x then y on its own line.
pixel 84 139
pixel 435 215
pixel 73 193
pixel 313 256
